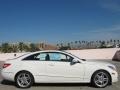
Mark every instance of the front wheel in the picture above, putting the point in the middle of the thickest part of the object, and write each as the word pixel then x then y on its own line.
pixel 24 80
pixel 100 79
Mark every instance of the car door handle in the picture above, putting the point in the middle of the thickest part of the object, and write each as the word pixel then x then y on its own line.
pixel 51 64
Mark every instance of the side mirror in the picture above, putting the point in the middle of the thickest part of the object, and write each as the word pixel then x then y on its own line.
pixel 74 61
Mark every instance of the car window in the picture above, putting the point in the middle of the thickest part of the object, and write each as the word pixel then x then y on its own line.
pixel 38 56
pixel 59 57
pixel 52 56
pixel 42 56
pixel 32 57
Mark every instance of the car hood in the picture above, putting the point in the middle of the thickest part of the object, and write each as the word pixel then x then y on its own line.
pixel 101 63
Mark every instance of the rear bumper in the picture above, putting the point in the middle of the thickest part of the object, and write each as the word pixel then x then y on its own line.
pixel 7 75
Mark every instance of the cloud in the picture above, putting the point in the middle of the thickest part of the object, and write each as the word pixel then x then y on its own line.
pixel 112 32
pixel 106 33
pixel 112 5
pixel 112 29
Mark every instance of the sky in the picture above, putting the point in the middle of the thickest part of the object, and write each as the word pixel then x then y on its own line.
pixel 56 21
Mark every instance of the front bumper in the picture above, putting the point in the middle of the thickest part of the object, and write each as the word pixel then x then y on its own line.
pixel 114 76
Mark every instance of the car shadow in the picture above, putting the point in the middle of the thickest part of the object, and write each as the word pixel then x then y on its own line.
pixel 5 82
pixel 62 84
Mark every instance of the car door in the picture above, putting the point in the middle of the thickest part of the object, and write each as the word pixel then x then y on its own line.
pixel 35 64
pixel 60 69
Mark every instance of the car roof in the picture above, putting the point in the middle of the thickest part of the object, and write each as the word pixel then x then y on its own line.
pixel 48 51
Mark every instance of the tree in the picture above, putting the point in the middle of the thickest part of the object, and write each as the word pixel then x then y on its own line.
pixel 114 42
pixel 76 42
pixel 57 45
pixel 68 44
pixel 65 48
pixel 71 44
pixel 103 44
pixel 14 48
pixel 20 46
pixel 61 44
pixel 33 47
pixel 107 42
pixel 5 47
pixel 79 44
pixel 23 47
pixel 118 41
pixel 111 41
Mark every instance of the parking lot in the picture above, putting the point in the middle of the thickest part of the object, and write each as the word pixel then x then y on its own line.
pixel 5 85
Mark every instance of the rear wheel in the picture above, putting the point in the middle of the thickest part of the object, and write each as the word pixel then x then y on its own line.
pixel 24 80
pixel 100 79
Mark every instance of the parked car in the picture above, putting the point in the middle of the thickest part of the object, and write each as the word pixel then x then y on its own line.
pixel 117 45
pixel 57 67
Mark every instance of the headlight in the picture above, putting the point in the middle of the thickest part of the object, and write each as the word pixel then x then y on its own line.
pixel 112 67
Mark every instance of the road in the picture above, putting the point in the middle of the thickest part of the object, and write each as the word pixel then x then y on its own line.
pixel 5 85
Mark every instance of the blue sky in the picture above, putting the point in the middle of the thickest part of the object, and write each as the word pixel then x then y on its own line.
pixel 55 21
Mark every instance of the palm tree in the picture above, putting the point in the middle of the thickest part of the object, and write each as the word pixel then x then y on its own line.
pixel 61 44
pixel 107 42
pixel 111 41
pixel 96 42
pixel 22 47
pixel 92 44
pixel 102 44
pixel 71 44
pixel 82 44
pixel 114 42
pixel 57 45
pixel 42 45
pixel 0 48
pixel 76 44
pixel 85 42
pixel 88 45
pixel 118 41
pixel 79 44
pixel 68 44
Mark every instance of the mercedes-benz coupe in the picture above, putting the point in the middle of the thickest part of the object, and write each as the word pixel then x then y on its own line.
pixel 57 67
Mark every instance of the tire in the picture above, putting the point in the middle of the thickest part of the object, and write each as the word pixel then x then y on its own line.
pixel 100 79
pixel 24 79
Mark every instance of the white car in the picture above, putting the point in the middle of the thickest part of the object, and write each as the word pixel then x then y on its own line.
pixel 57 67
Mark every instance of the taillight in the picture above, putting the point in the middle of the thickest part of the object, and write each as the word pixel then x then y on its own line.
pixel 6 65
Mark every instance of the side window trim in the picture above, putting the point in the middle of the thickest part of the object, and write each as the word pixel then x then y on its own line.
pixel 36 54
